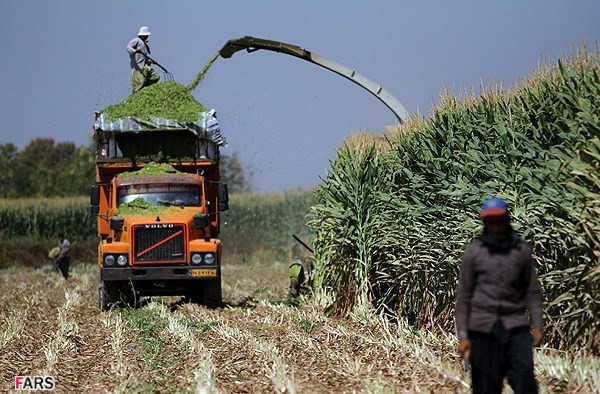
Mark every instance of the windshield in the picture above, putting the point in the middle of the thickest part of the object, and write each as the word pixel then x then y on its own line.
pixel 161 194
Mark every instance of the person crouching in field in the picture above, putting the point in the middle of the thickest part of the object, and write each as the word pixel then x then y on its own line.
pixel 300 270
pixel 498 300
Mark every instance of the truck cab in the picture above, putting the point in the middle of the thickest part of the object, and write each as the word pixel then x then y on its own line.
pixel 158 199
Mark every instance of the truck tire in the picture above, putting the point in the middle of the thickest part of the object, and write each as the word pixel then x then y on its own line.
pixel 107 295
pixel 207 293
pixel 128 296
pixel 213 295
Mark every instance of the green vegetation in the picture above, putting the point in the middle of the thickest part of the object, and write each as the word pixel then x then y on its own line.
pixel 45 218
pixel 155 352
pixel 200 76
pixel 394 215
pixel 151 168
pixel 255 223
pixel 139 206
pixel 45 168
pixel 165 100
pixel 265 222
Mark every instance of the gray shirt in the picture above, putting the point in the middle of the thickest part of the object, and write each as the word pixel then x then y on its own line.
pixel 138 60
pixel 494 286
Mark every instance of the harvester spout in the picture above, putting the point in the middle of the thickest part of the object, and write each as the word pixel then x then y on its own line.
pixel 253 44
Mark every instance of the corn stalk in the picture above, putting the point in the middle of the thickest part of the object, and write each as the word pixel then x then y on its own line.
pixel 393 218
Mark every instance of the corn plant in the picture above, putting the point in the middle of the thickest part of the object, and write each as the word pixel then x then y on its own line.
pixel 394 214
pixel 46 217
pixel 257 222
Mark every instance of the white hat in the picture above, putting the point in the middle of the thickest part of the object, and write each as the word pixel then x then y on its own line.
pixel 144 31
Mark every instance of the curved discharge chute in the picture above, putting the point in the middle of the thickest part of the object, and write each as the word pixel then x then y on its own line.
pixel 252 44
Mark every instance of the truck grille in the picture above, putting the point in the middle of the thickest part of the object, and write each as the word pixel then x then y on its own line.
pixel 159 245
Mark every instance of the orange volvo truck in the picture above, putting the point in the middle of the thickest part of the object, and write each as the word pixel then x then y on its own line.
pixel 166 241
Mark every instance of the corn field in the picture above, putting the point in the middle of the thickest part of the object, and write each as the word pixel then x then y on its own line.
pixel 45 218
pixel 266 221
pixel 395 212
pixel 255 222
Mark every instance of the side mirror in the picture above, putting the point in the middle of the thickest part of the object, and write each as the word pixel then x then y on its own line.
pixel 116 224
pixel 200 221
pixel 223 196
pixel 95 199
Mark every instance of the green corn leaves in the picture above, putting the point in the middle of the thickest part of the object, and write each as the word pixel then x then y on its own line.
pixel 46 218
pixel 393 216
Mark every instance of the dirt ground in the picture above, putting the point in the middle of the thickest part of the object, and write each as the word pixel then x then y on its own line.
pixel 256 343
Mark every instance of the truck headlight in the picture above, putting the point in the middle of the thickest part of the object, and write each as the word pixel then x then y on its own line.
pixel 196 258
pixel 209 259
pixel 109 260
pixel 122 260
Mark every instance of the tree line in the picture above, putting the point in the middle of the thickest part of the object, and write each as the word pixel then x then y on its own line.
pixel 45 168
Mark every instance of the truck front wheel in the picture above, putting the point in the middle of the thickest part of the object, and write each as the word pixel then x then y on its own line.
pixel 213 295
pixel 107 295
pixel 207 293
pixel 128 295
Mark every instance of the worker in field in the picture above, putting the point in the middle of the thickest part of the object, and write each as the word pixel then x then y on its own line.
pixel 64 255
pixel 499 305
pixel 142 73
pixel 299 278
pixel 300 270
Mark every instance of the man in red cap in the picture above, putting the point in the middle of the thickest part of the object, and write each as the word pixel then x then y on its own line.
pixel 498 300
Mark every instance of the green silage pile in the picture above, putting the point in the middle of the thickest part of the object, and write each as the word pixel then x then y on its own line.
pixel 139 206
pixel 168 100
pixel 151 168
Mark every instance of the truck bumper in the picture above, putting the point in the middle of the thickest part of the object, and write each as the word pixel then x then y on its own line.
pixel 159 273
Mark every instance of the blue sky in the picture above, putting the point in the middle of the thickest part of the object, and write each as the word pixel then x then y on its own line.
pixel 62 60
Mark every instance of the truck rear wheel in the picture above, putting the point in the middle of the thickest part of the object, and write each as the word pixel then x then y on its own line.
pixel 112 293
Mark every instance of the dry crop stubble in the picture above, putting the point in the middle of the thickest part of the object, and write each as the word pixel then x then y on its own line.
pixel 259 346
pixel 202 375
pixel 121 345
pixel 24 353
pixel 63 335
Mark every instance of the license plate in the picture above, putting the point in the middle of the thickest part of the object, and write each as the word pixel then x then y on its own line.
pixel 203 273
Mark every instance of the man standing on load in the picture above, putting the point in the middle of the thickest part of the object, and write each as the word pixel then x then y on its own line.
pixel 498 300
pixel 142 73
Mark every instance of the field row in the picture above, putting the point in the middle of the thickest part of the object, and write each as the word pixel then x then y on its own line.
pixel 255 344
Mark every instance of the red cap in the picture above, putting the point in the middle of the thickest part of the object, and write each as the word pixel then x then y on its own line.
pixel 493 207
